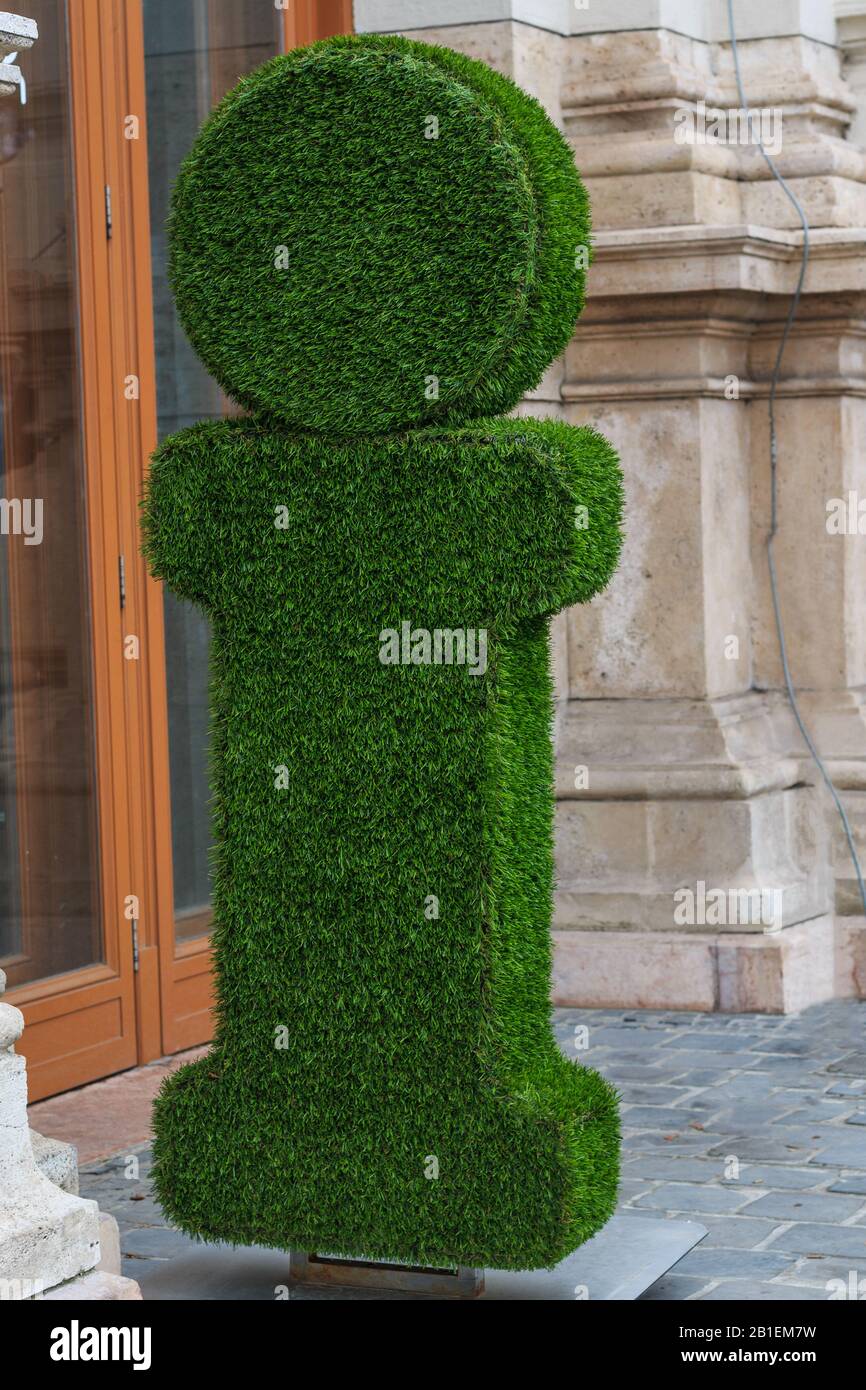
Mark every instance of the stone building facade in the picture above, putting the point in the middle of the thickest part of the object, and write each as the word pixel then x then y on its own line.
pixel 701 864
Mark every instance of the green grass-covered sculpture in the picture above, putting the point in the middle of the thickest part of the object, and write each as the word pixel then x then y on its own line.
pixel 377 247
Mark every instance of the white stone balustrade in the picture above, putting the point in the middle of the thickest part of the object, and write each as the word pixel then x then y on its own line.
pixel 46 1235
pixel 16 34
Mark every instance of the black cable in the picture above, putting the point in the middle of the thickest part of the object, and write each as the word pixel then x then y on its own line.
pixel 774 455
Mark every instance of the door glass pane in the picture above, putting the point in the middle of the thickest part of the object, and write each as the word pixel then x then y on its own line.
pixel 49 894
pixel 194 53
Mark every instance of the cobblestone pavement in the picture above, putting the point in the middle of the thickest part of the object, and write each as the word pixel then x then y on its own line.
pixel 753 1125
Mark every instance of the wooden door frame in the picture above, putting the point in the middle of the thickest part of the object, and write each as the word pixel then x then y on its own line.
pixel 184 968
pixel 308 20
pixel 108 1016
pixel 167 1021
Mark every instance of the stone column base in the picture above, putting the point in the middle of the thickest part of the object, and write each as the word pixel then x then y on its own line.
pixel 96 1287
pixel 56 1161
pixel 777 973
pixel 105 1283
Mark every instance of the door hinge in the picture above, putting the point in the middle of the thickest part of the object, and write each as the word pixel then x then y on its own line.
pixel 121 578
pixel 135 955
pixel 108 220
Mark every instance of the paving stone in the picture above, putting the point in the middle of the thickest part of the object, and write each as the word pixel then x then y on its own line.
pixel 806 1239
pixel 746 1085
pixel 857 1087
pixel 689 1197
pixel 155 1243
pixel 672 1288
pixel 104 1189
pixel 804 1206
pixel 842 1040
pixel 697 1111
pixel 824 1111
pixel 797 1073
pixel 750 1291
pixel 817 1099
pixel 698 1076
pixel 608 1036
pixel 852 1065
pixel 820 1272
pixel 630 1189
pixel 653 1117
pixel 613 1060
pixel 733 1264
pixel 146 1212
pixel 845 1148
pixel 671 1142
pixel 774 1175
pixel 646 1073
pixel 856 1182
pixel 649 1095
pixel 744 1115
pixel 712 1058
pixel 713 1042
pixel 764 1146
pixel 735 1232
pixel 116 1165
pixel 788 1047
pixel 768 1022
pixel 586 1015
pixel 657 1168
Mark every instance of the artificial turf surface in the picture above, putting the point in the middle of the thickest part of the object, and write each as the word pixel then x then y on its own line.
pixel 384 1081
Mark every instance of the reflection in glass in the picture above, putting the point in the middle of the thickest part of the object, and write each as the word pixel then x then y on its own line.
pixel 49 896
pixel 194 53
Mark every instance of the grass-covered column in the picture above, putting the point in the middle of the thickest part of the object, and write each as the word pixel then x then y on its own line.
pixel 377 248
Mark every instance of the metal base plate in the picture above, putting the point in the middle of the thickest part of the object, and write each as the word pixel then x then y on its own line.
pixel 331 1272
pixel 625 1259
pixel 621 1262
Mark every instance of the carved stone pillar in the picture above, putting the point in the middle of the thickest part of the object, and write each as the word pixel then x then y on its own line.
pixel 46 1235
pixel 851 37
pixel 699 859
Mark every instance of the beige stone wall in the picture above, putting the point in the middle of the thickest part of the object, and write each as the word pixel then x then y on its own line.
pixel 669 685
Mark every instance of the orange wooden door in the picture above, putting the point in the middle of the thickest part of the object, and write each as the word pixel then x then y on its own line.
pixel 189 60
pixel 104 903
pixel 308 20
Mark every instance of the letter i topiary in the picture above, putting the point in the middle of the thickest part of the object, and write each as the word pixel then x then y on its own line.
pixel 377 247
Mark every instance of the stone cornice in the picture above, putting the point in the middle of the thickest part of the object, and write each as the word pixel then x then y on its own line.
pixel 759 260
pixel 16 33
pixel 706 20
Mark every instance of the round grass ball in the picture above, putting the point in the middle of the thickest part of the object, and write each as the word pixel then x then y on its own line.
pixel 372 234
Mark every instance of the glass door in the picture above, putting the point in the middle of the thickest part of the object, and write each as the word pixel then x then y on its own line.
pixel 193 53
pixel 180 61
pixel 67 957
pixel 49 880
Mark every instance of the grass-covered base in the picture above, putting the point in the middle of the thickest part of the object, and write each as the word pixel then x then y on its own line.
pixel 522 1181
pixel 384 1080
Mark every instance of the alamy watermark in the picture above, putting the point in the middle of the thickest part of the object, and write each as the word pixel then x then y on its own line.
pixel 22 516
pixel 444 646
pixel 727 907
pixel 712 125
pixel 846 516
